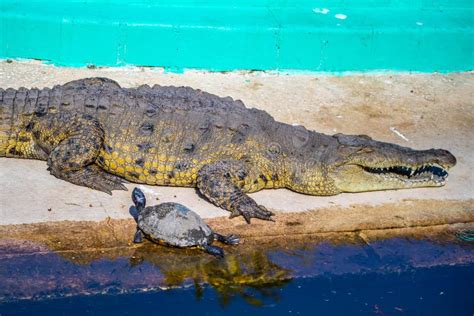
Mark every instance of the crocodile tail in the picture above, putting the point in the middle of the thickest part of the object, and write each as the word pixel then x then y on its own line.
pixel 18 105
pixel 14 103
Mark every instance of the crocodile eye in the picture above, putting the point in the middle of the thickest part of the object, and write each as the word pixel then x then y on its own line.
pixel 147 128
pixel 274 149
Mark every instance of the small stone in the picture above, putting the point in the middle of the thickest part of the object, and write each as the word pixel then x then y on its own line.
pixel 429 97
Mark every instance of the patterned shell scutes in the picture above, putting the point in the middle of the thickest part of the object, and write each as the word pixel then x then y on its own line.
pixel 174 224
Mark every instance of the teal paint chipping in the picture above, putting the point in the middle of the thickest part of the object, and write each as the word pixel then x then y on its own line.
pixel 215 35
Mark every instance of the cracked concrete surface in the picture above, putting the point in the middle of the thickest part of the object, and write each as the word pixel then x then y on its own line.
pixel 416 110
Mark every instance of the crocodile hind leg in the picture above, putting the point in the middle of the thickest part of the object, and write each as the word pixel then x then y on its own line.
pixel 219 183
pixel 73 143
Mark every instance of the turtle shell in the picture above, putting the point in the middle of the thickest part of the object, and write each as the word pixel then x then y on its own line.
pixel 174 224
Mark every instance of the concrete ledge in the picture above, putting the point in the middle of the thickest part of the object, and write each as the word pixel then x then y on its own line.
pixel 257 35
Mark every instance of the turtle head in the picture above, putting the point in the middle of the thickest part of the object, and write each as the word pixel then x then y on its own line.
pixel 138 199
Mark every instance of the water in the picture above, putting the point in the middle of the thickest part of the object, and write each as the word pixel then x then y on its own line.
pixel 389 277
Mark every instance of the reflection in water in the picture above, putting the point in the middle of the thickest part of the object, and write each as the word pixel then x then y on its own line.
pixel 255 272
pixel 251 276
pixel 466 235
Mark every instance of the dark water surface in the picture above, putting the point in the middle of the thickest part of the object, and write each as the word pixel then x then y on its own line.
pixel 388 277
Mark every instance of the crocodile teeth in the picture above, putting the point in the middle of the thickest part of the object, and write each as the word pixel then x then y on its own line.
pixel 426 172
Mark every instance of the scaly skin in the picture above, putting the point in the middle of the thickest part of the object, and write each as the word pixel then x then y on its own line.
pixel 94 133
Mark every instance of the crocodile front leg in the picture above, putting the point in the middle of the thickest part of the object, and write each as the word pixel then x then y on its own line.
pixel 73 142
pixel 222 184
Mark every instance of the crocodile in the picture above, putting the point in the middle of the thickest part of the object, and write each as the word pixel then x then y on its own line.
pixel 96 134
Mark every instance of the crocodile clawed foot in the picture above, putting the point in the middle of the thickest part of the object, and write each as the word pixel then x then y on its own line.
pixel 112 182
pixel 93 177
pixel 249 211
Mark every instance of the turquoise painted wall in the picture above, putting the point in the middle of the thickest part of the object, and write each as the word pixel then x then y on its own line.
pixel 221 35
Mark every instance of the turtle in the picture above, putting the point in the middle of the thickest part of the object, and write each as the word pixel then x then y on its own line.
pixel 173 224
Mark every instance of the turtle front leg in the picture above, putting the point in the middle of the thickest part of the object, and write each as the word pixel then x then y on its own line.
pixel 138 238
pixel 219 183
pixel 73 143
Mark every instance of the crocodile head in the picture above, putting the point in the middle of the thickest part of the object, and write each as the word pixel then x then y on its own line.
pixel 362 164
